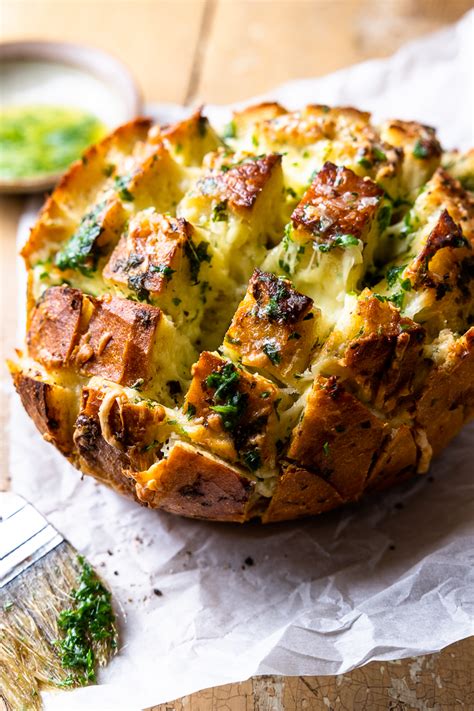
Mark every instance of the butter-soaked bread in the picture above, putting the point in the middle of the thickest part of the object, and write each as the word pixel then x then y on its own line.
pixel 263 321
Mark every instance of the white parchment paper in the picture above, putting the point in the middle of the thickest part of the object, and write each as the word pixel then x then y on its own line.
pixel 389 578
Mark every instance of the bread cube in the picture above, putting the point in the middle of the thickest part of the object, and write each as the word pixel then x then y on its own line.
pixel 376 352
pixel 237 204
pixel 189 140
pixel 331 239
pixel 197 484
pixel 232 412
pixel 336 437
pixel 447 400
pixel 300 493
pixel 159 259
pixel 151 178
pixel 274 328
pixel 98 231
pixel 396 462
pixel 135 345
pixel 309 137
pixel 114 434
pixel 54 327
pixel 240 131
pixel 51 406
pixel 421 150
pixel 432 280
pixel 338 202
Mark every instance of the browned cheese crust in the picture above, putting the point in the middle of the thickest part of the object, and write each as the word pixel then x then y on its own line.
pixel 240 184
pixel 273 328
pixel 337 203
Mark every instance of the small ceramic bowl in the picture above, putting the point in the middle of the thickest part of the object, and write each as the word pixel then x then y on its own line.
pixel 69 75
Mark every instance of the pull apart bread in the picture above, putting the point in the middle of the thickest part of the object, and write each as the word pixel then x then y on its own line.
pixel 264 323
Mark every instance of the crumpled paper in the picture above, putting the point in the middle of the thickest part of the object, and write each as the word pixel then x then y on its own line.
pixel 203 604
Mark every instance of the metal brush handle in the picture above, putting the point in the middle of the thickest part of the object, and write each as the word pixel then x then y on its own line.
pixel 25 536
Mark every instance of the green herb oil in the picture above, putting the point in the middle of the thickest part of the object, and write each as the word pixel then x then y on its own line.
pixel 38 140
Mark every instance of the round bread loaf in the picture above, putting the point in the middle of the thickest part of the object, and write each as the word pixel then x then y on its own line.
pixel 264 322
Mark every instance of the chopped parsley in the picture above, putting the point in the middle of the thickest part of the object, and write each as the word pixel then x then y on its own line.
pixel 86 626
pixel 364 163
pixel 272 351
pixel 396 299
pixel 190 410
pixel 136 284
pixel 341 241
pixel 196 255
pixel 229 403
pixel 163 269
pixel 231 410
pixel 77 253
pixel 379 154
pixel 108 170
pixel 121 183
pixel 410 223
pixel 420 150
pixel 224 381
pixel 230 130
pixel 219 213
pixel 284 266
pixel 393 275
pixel 384 217
pixel 252 459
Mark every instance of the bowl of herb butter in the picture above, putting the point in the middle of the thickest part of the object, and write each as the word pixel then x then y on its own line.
pixel 57 99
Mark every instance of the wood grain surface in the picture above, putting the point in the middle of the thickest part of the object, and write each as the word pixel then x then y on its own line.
pixel 437 682
pixel 187 51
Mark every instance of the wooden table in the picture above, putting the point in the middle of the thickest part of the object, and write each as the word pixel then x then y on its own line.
pixel 188 51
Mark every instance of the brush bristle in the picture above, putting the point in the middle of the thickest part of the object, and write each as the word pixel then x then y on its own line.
pixel 30 605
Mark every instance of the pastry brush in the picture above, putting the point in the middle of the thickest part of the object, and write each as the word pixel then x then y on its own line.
pixel 56 618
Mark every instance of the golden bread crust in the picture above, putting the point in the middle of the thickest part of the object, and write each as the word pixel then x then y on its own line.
pixel 300 493
pixel 55 326
pixel 192 483
pixel 396 462
pixel 51 407
pixel 337 437
pixel 447 401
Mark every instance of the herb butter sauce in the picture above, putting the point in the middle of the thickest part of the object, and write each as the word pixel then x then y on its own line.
pixel 44 139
